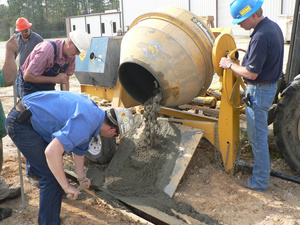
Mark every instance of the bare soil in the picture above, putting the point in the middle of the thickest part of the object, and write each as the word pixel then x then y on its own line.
pixel 204 186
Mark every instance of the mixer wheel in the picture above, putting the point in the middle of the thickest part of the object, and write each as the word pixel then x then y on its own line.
pixel 287 124
pixel 101 149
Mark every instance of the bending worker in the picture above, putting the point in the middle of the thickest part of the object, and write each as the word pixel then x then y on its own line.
pixel 8 75
pixel 261 69
pixel 44 125
pixel 52 62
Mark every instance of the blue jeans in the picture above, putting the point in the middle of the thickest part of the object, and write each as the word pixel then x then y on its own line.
pixel 33 146
pixel 18 83
pixel 261 98
pixel 29 172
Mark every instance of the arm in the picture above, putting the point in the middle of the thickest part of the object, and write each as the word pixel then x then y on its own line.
pixel 41 61
pixel 79 166
pixel 61 78
pixel 66 86
pixel 9 69
pixel 54 155
pixel 237 69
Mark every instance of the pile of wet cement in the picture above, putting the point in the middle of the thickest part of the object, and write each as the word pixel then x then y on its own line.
pixel 139 171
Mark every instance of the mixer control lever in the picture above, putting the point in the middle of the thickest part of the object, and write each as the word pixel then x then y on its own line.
pixel 93 56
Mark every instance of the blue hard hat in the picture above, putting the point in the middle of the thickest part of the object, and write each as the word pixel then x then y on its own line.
pixel 243 9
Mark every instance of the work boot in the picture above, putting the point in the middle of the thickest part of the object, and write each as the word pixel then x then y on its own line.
pixel 243 183
pixel 5 213
pixel 14 193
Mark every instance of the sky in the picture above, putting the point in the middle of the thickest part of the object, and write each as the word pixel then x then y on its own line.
pixel 2 2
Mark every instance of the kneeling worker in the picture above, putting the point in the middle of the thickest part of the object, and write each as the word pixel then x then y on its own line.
pixel 44 125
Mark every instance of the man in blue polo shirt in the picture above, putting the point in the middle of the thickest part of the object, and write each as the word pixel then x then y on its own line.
pixel 46 124
pixel 261 69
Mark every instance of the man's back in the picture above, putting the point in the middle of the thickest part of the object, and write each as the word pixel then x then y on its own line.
pixel 265 53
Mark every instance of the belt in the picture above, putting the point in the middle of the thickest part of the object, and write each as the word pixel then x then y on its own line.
pixel 263 83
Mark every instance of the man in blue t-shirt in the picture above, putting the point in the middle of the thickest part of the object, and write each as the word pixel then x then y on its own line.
pixel 261 69
pixel 46 124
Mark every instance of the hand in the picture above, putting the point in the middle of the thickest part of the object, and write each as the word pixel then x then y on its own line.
pixel 62 78
pixel 86 180
pixel 73 191
pixel 225 63
pixel 83 185
pixel 12 44
pixel 9 69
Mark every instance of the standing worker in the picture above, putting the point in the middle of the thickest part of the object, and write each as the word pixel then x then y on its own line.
pixel 52 62
pixel 27 40
pixel 8 75
pixel 261 69
pixel 46 124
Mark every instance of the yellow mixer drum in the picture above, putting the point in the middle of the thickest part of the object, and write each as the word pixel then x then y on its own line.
pixel 167 51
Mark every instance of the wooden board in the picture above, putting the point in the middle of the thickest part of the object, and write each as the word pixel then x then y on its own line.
pixel 142 208
pixel 152 214
pixel 190 138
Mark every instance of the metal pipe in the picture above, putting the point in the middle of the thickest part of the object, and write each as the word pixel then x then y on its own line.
pixel 19 154
pixel 122 15
pixel 19 157
pixel 273 173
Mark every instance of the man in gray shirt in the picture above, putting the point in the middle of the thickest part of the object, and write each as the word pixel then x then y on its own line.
pixel 27 40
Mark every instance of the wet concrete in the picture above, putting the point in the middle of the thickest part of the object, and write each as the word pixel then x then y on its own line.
pixel 142 165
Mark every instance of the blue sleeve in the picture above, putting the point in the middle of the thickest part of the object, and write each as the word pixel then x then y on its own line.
pixel 75 135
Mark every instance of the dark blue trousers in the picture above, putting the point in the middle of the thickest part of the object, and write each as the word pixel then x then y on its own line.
pixel 33 146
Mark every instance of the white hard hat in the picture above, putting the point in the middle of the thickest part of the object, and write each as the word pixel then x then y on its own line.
pixel 81 40
pixel 124 121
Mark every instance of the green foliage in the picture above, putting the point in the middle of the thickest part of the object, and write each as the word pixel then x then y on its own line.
pixel 48 16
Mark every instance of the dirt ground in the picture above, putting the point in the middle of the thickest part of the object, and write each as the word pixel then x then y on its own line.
pixel 204 186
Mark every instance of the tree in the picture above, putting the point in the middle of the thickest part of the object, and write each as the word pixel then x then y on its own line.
pixel 48 16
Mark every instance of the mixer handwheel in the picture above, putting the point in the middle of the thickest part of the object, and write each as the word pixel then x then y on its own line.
pixel 223 45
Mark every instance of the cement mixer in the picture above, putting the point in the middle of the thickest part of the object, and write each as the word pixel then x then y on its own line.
pixel 169 51
pixel 173 52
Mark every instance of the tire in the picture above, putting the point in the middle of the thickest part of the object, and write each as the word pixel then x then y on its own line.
pixel 286 124
pixel 106 150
